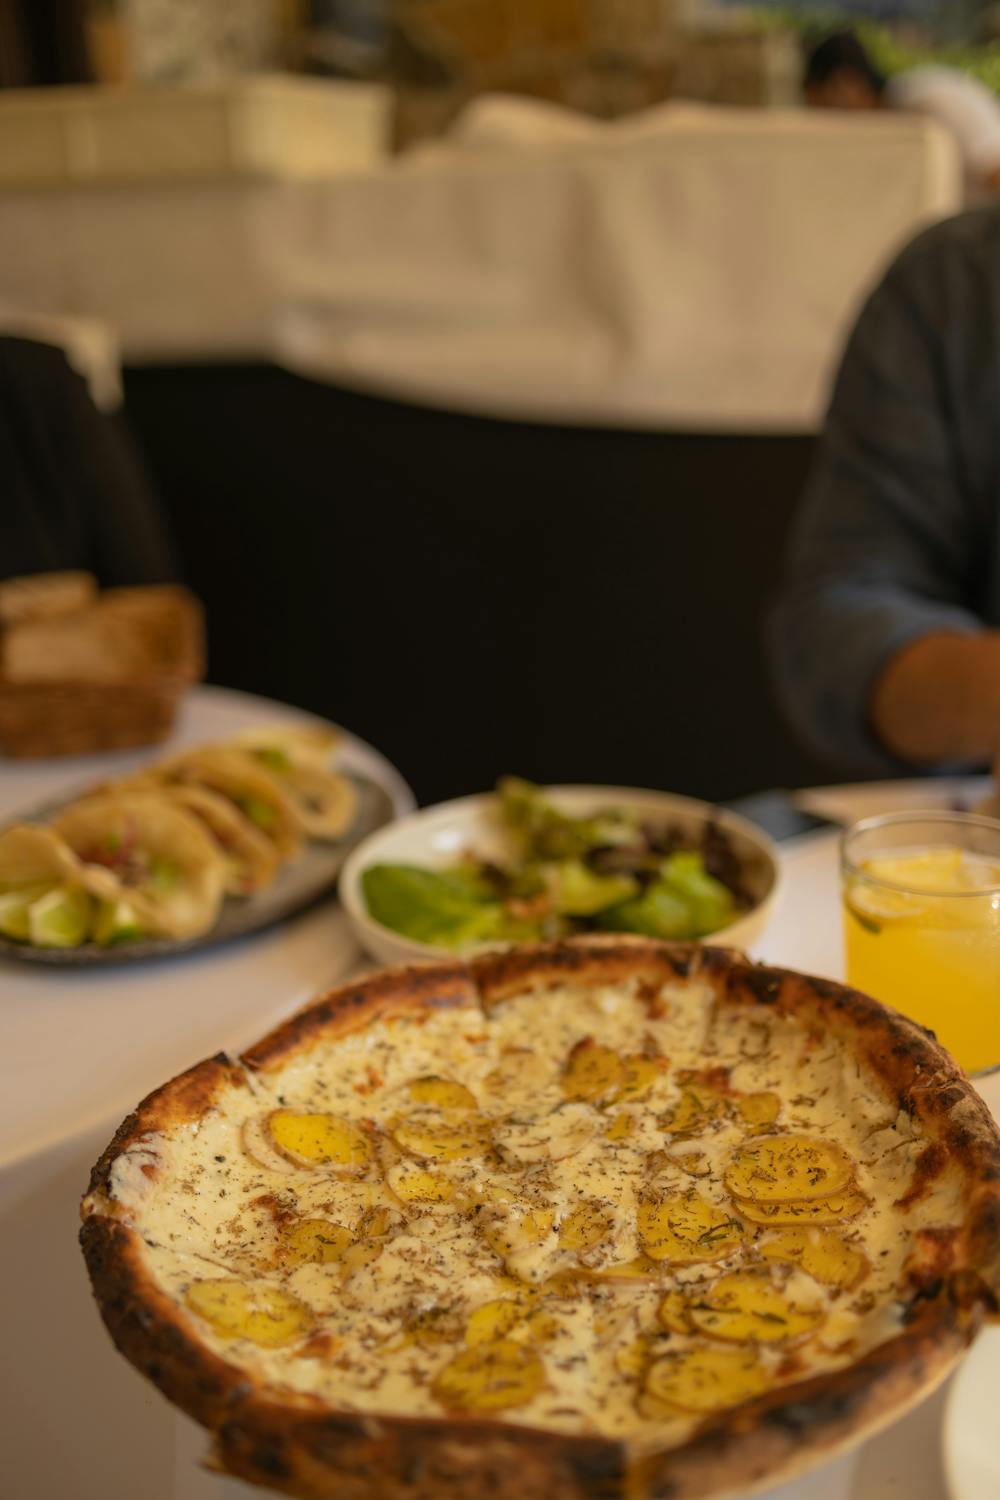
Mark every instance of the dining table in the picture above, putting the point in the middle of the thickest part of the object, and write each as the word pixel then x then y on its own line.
pixel 81 1047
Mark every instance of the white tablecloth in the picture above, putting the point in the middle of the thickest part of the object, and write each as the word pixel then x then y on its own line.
pixel 76 1422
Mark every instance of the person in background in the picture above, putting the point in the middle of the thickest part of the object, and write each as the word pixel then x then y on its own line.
pixel 75 495
pixel 840 74
pixel 885 640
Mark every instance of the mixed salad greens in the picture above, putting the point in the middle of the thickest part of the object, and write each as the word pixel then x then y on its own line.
pixel 610 872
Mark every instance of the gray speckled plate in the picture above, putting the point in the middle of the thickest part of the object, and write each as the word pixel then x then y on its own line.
pixel 298 885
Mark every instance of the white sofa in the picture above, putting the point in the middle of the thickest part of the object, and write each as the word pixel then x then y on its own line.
pixel 691 268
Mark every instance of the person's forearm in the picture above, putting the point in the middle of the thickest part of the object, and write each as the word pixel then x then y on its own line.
pixel 938 699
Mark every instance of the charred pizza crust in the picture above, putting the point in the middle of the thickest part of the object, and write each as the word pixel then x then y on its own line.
pixel 295 1443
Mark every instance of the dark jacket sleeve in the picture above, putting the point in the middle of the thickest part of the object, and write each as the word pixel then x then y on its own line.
pixel 73 490
pixel 889 539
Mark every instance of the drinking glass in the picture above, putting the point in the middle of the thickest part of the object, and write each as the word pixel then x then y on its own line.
pixel 921 894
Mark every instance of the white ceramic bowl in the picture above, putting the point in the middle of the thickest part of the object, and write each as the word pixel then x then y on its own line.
pixel 437 836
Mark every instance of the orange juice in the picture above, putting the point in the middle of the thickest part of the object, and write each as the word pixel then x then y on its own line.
pixel 922 933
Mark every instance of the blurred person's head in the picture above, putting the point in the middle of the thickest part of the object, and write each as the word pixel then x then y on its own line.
pixel 840 75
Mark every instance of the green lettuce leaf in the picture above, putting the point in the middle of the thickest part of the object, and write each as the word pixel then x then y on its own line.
pixel 683 902
pixel 580 892
pixel 658 912
pixel 431 906
pixel 546 834
pixel 710 902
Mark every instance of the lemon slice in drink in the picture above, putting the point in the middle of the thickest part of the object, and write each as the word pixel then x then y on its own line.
pixel 932 870
pixel 875 905
pixel 919 883
pixel 887 889
pixel 941 872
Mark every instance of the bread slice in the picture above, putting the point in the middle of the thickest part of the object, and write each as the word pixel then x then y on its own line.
pixel 45 596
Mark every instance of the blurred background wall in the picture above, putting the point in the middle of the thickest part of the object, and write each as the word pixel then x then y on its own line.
pixel 572 596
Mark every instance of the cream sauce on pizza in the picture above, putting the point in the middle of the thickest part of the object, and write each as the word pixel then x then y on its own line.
pixel 579 1210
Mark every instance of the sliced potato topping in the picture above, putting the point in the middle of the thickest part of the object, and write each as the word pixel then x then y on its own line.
pixel 822 1253
pixel 749 1307
pixel 696 1109
pixel 561 1133
pixel 492 1321
pixel 833 1210
pixel 314 1240
pixel 673 1313
pixel 633 1358
pixel 593 1072
pixel 683 1229
pixel 441 1093
pixel 434 1325
pixel 369 1240
pixel 539 1326
pixel 640 1075
pixel 788 1169
pixel 703 1380
pixel 318 1140
pixel 260 1147
pixel 586 1226
pixel 470 1195
pixel 758 1110
pixel 442 1139
pixel 379 1221
pixel 620 1129
pixel 362 1253
pixel 641 1268
pixel 413 1184
pixel 694 1163
pixel 491 1377
pixel 253 1310
pixel 518 1070
pixel 513 1228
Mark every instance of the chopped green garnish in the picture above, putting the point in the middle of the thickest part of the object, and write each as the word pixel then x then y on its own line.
pixel 163 874
pixel 273 758
pixel 258 811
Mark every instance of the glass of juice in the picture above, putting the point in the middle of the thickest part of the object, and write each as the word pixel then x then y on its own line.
pixel 922 924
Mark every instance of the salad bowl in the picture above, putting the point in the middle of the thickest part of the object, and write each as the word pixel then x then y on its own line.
pixel 473 830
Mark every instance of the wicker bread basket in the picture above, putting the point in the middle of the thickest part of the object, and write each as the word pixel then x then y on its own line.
pixel 124 699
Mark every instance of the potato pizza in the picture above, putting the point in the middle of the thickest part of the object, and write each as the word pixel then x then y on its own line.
pixel 607 1217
